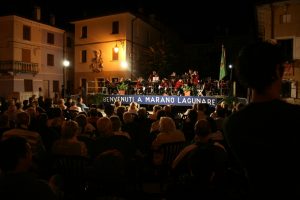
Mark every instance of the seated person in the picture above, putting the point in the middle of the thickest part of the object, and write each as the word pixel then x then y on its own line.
pixel 16 182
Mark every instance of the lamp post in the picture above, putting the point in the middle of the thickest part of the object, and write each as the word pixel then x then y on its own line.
pixel 66 64
pixel 230 67
pixel 132 47
pixel 231 84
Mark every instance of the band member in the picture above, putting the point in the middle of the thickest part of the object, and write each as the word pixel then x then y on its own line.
pixel 195 83
pixel 195 78
pixel 186 78
pixel 140 86
pixel 153 77
pixel 109 86
pixel 163 86
pixel 172 82
pixel 154 80
pixel 179 87
pixel 173 75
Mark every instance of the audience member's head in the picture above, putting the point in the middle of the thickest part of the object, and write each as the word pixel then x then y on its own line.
pixel 167 124
pixel 70 129
pixel 104 126
pixel 202 128
pixel 15 155
pixel 259 65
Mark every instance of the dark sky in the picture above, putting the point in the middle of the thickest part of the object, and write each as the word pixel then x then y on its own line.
pixel 190 18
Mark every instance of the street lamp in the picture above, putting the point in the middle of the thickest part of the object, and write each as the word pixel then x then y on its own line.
pixel 66 64
pixel 230 67
pixel 132 47
pixel 232 85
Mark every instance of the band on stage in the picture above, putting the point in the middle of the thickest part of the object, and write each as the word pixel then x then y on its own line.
pixel 173 85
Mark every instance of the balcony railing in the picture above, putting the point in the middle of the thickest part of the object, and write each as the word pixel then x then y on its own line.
pixel 18 67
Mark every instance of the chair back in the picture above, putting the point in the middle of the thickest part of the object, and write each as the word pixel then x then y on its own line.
pixel 170 151
pixel 70 166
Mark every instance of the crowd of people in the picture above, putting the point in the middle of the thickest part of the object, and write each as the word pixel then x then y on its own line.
pixel 71 128
pixel 232 151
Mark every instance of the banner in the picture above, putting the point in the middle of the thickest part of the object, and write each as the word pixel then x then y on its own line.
pixel 161 100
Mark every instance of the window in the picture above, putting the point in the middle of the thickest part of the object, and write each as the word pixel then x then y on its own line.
pixel 115 55
pixel 55 86
pixel 115 80
pixel 83 56
pixel 50 60
pixel 115 27
pixel 101 82
pixel 26 55
pixel 285 19
pixel 50 38
pixel 84 32
pixel 287 46
pixel 26 33
pixel 28 86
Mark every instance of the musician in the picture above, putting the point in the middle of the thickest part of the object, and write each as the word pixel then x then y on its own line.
pixel 195 78
pixel 195 82
pixel 186 78
pixel 154 80
pixel 163 86
pixel 172 82
pixel 179 87
pixel 109 86
pixel 140 86
pixel 153 77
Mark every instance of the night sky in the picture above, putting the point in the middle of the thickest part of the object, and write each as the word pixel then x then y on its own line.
pixel 186 17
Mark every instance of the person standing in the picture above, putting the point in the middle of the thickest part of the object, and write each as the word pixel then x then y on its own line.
pixel 264 135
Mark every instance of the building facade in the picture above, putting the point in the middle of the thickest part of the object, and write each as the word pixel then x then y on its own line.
pixel 110 48
pixel 31 55
pixel 280 22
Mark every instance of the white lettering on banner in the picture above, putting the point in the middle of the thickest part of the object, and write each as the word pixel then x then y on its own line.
pixel 164 100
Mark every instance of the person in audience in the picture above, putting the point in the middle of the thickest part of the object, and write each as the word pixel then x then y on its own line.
pixel 33 137
pixel 167 133
pixel 116 127
pixel 202 166
pixel 16 181
pixel 133 108
pixel 263 136
pixel 68 144
pixel 74 107
pixel 82 105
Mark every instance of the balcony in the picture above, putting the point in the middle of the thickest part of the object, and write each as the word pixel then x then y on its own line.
pixel 18 67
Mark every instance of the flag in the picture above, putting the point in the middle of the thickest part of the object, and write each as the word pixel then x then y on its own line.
pixel 222 64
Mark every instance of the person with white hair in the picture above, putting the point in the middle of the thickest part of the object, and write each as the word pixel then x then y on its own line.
pixel 167 133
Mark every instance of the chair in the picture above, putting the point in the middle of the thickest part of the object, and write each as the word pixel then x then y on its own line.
pixel 73 171
pixel 169 151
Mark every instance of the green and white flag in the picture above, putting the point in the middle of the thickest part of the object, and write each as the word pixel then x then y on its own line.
pixel 222 64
